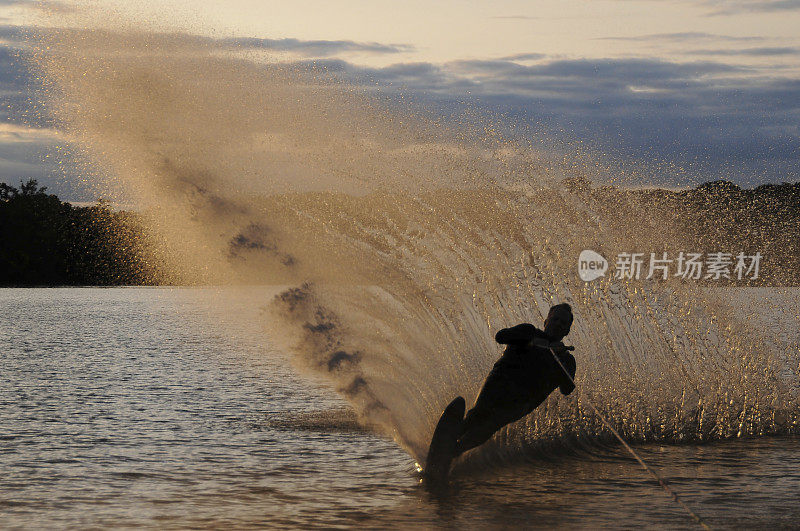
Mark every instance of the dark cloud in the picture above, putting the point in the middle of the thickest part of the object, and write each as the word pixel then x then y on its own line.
pixel 11 34
pixel 580 80
pixel 25 159
pixel 710 118
pixel 24 139
pixel 413 75
pixel 317 48
pixel 14 73
pixel 628 70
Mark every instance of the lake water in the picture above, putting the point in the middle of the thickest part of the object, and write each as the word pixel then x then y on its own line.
pixel 157 407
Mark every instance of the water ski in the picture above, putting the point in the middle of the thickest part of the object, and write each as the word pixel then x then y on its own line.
pixel 443 442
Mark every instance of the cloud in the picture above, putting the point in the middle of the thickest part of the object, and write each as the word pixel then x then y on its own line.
pixel 687 36
pixel 712 119
pixel 581 78
pixel 13 71
pixel 14 87
pixel 317 48
pixel 51 6
pixel 524 57
pixel 734 7
pixel 21 133
pixel 16 35
pixel 766 51
pixel 11 34
pixel 25 160
pixel 24 137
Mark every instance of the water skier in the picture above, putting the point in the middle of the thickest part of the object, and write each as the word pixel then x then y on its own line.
pixel 519 382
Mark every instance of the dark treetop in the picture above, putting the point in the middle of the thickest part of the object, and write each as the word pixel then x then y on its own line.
pixel 47 242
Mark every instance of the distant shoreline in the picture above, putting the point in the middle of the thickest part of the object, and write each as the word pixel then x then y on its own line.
pixel 49 243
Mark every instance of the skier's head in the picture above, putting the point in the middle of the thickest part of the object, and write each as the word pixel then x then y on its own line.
pixel 558 322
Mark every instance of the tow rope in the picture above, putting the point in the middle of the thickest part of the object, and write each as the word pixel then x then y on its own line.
pixel 608 425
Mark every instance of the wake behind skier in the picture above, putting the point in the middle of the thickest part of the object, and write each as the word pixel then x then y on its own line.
pixel 519 382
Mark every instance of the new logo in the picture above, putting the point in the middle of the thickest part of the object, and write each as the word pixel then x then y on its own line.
pixel 591 265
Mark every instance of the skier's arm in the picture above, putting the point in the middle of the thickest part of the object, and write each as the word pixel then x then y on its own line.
pixel 522 333
pixel 567 385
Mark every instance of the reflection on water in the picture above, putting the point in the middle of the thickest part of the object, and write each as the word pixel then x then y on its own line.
pixel 158 407
pixel 749 483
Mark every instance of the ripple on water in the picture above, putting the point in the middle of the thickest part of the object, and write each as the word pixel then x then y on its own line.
pixel 102 428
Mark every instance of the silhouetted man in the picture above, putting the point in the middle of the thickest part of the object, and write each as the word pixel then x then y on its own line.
pixel 521 379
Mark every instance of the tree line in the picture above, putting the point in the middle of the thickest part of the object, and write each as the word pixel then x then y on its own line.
pixel 47 242
pixel 717 216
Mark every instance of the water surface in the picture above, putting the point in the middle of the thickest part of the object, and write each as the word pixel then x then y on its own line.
pixel 161 407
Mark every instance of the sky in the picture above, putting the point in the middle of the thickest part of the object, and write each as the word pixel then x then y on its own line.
pixel 707 88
